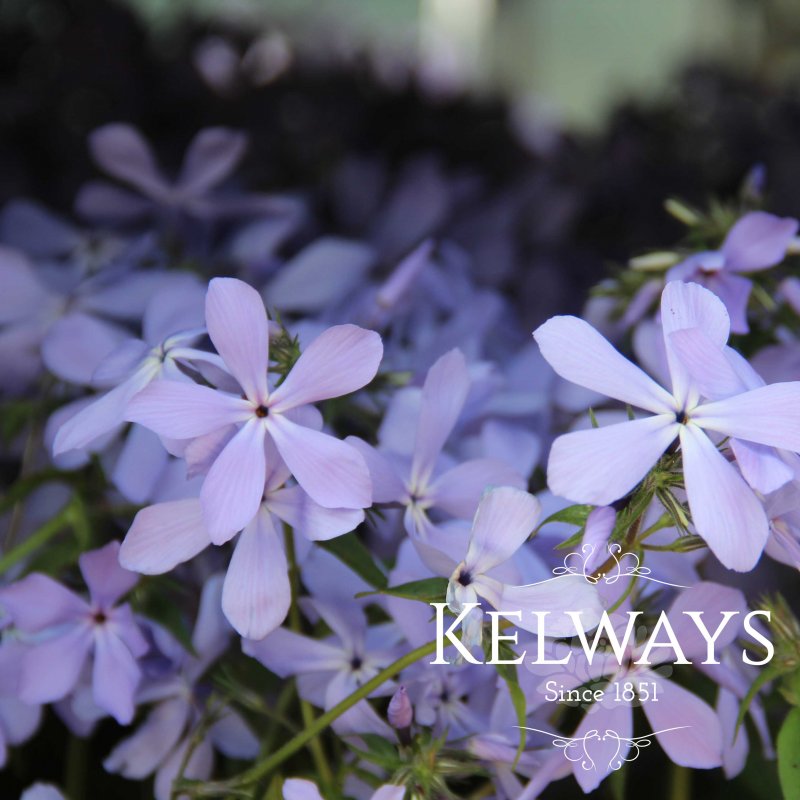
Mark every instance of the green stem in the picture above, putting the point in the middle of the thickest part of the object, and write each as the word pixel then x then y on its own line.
pixel 39 537
pixel 295 623
pixel 262 769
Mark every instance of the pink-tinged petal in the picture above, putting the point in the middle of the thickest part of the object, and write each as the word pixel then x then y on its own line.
pixel 106 579
pixel 140 754
pixel 724 509
pixel 699 742
pixel 37 602
pixel 443 396
pixel 757 241
pixel 184 410
pixel 332 472
pixel 601 742
pixel 594 544
pixel 163 536
pixel 761 466
pixel 600 465
pixel 51 668
pixel 458 491
pixel 121 151
pixel 505 518
pixel 237 324
pixel 310 519
pixel 339 361
pixel 689 305
pixel 212 155
pixel 299 789
pixel 257 595
pixel 581 355
pixel 140 465
pixel 556 596
pixel 767 415
pixel 708 367
pixel 115 676
pixel 77 344
pixel 234 486
pixel 287 653
pixel 387 485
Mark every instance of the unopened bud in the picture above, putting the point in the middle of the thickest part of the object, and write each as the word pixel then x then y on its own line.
pixel 400 713
pixel 654 262
pixel 682 212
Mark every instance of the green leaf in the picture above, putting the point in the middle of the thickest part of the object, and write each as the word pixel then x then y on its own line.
pixel 767 674
pixel 350 550
pixel 789 755
pixel 508 672
pixel 572 515
pixel 427 590
pixel 379 751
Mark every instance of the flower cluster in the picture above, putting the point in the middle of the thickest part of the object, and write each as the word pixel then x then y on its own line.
pixel 270 456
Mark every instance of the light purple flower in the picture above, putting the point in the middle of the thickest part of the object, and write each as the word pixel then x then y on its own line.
pixel 172 321
pixel 63 630
pixel 421 484
pixel 300 789
pixel 159 744
pixel 504 520
pixel 756 242
pixel 602 465
pixel 330 669
pixel 341 360
pixel 123 153
pixel 687 729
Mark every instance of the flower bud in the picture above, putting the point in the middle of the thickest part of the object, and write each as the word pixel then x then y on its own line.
pixel 400 713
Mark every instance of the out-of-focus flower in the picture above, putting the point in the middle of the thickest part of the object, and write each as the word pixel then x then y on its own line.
pixel 160 743
pixel 62 630
pixel 603 464
pixel 756 242
pixel 299 789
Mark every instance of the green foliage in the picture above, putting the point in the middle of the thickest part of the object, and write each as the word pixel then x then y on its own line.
pixel 789 756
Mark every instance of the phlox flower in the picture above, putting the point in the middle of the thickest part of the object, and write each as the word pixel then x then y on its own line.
pixel 331 668
pixel 502 524
pixel 756 242
pixel 602 465
pixel 159 744
pixel 256 595
pixel 300 789
pixel 421 484
pixel 171 322
pixel 62 630
pixel 698 743
pixel 340 360
pixel 122 152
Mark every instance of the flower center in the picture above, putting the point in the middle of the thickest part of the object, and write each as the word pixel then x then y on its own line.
pixel 356 663
pixel 262 412
pixel 465 578
pixel 99 617
pixel 681 417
